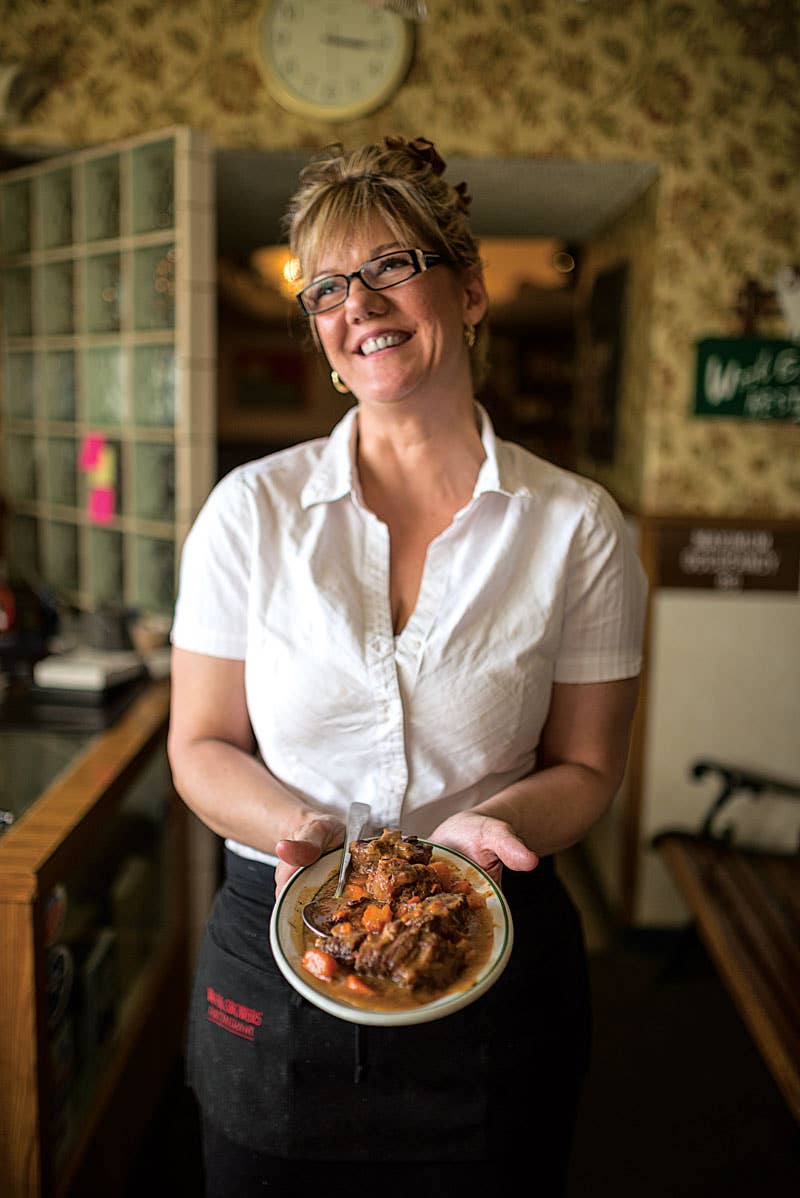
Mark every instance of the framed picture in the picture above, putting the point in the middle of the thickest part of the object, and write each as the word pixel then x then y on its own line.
pixel 264 384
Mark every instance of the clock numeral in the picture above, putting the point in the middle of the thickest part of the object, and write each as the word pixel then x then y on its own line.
pixel 288 12
pixel 374 67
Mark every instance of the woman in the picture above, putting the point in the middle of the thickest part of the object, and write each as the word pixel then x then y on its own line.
pixel 414 614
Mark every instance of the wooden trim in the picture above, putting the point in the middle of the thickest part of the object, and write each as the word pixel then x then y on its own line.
pixel 746 520
pixel 20 1157
pixel 634 790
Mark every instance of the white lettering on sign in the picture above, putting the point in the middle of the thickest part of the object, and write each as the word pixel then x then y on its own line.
pixel 787 366
pixel 729 554
pixel 723 380
pixel 770 402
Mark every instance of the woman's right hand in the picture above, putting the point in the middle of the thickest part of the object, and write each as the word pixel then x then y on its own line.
pixel 309 840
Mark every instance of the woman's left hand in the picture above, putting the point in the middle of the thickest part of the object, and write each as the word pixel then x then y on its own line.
pixel 491 843
pixel 309 841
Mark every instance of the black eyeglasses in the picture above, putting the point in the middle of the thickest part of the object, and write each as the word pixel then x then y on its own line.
pixel 387 270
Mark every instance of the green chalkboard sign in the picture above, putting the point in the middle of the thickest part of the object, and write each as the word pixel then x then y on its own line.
pixel 748 378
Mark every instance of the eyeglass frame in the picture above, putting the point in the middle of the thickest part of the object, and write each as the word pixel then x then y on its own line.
pixel 423 260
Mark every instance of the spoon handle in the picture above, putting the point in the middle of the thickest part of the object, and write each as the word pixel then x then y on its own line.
pixel 357 816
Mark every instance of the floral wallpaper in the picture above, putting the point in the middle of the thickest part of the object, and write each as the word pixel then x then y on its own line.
pixel 707 89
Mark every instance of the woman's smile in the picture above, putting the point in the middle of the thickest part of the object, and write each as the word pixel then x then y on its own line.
pixel 382 341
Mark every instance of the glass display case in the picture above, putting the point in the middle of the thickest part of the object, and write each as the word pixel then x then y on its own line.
pixel 107 338
pixel 93 948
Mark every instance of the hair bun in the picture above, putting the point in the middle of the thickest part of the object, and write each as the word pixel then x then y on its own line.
pixel 420 149
pixel 424 153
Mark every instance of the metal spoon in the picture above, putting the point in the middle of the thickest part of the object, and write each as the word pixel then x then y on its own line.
pixel 357 816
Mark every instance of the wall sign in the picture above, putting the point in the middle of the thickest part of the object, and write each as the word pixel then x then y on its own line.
pixel 748 378
pixel 730 558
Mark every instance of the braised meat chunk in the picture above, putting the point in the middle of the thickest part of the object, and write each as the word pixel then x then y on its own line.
pixel 367 853
pixel 344 940
pixel 392 877
pixel 424 948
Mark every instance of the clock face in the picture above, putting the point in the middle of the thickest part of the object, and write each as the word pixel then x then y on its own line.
pixel 333 59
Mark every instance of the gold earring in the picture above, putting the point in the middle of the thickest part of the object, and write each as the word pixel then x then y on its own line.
pixel 341 387
pixel 469 335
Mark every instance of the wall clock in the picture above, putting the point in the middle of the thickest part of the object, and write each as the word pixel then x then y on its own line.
pixel 333 59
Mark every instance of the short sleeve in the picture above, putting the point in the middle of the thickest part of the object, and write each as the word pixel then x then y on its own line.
pixel 606 594
pixel 212 605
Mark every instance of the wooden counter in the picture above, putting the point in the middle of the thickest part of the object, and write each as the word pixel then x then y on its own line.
pixel 77 1085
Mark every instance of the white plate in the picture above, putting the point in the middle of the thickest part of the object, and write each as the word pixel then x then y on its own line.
pixel 286 939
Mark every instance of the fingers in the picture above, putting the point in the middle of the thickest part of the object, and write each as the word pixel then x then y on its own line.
pixel 490 842
pixel 298 852
pixel 283 873
pixel 513 852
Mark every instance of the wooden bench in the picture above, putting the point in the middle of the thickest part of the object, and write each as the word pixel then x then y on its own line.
pixel 746 905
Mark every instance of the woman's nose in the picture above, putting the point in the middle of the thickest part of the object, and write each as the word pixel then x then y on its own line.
pixel 362 302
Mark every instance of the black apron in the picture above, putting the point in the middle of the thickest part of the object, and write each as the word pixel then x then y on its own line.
pixel 485 1083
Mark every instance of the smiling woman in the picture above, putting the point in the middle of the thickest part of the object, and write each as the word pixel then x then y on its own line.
pixel 415 615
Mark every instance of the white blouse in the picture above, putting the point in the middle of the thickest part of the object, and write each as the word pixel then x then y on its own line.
pixel 535 581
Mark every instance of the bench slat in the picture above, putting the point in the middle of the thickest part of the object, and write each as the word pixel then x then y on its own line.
pixel 746 907
pixel 766 942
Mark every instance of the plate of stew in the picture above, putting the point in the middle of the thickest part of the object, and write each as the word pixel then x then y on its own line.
pixel 419 932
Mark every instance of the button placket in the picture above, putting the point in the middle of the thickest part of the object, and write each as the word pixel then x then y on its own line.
pixel 391 767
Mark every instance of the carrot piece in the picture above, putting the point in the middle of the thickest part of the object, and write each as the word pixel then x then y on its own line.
pixel 357 986
pixel 443 873
pixel 476 900
pixel 322 965
pixel 353 892
pixel 342 928
pixel 374 917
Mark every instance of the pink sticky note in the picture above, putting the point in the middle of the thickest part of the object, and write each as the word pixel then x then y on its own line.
pixel 101 504
pixel 91 448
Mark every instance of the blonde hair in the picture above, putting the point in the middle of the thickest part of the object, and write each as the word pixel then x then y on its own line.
pixel 400 183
